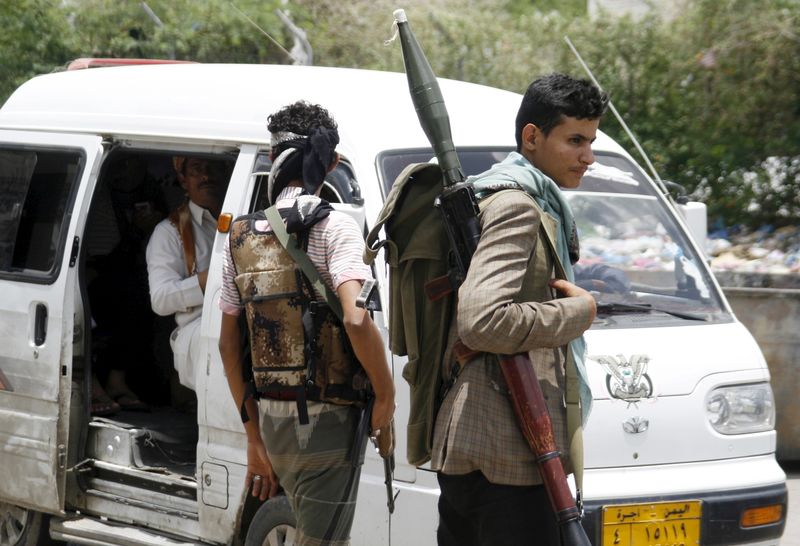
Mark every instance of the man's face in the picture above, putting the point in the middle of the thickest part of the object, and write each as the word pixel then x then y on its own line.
pixel 565 153
pixel 205 182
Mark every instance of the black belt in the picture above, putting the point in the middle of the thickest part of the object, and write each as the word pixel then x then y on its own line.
pixel 280 395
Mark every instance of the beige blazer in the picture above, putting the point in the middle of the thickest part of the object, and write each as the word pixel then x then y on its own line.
pixel 505 306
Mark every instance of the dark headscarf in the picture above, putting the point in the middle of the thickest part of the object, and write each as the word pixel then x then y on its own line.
pixel 318 153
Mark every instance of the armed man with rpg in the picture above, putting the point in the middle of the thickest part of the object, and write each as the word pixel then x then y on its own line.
pixel 492 490
pixel 501 412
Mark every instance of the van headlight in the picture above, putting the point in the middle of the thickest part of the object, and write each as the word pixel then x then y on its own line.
pixel 741 409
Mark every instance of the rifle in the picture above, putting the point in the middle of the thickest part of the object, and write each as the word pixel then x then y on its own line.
pixel 384 446
pixel 459 208
pixel 384 442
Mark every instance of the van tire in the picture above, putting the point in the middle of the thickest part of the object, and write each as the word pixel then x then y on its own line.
pixel 274 524
pixel 22 527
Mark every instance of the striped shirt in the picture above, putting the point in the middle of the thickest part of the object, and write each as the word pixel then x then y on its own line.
pixel 335 246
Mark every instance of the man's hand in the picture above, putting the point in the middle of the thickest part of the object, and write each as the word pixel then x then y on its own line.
pixel 574 291
pixel 382 413
pixel 260 474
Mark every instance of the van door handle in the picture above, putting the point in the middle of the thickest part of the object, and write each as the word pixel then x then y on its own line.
pixel 40 325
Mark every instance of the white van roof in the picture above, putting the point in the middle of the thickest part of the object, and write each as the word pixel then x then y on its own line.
pixel 229 103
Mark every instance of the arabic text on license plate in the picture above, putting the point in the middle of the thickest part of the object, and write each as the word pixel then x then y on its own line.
pixel 652 524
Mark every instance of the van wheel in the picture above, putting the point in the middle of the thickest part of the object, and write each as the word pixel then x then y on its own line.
pixel 274 524
pixel 22 527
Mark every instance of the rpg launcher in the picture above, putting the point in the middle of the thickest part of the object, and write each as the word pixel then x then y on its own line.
pixel 459 209
pixel 457 202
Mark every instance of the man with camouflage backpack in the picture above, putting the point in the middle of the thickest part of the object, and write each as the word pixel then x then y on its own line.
pixel 298 285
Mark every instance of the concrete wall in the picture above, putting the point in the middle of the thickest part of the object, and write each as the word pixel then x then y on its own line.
pixel 773 317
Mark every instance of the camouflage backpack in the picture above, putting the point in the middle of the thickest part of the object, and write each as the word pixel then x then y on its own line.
pixel 298 345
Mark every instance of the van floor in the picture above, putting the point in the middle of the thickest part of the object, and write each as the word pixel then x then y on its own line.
pixel 163 438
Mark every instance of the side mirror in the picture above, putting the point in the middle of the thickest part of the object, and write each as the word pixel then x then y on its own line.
pixel 696 217
pixel 694 213
pixel 677 191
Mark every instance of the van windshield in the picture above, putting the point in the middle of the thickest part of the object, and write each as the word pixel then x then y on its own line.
pixel 635 258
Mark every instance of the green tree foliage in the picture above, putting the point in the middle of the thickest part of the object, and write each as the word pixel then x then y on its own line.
pixel 713 94
pixel 207 31
pixel 31 41
pixel 38 36
pixel 478 41
pixel 567 8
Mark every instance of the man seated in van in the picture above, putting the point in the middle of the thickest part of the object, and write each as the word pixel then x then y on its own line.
pixel 179 253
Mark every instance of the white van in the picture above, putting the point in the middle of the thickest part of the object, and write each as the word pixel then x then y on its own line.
pixel 680 444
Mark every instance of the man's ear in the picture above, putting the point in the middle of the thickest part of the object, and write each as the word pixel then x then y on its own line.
pixel 531 137
pixel 334 163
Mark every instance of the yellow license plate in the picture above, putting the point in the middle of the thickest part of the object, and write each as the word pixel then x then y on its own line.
pixel 653 524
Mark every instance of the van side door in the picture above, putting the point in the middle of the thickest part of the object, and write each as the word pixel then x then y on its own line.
pixel 43 183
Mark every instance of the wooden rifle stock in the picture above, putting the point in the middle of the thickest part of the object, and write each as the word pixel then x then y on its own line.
pixel 537 428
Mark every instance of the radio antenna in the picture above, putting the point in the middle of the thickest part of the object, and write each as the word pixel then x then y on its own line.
pixel 264 32
pixel 619 117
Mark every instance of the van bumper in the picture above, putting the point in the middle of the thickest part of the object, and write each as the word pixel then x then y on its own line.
pixel 721 515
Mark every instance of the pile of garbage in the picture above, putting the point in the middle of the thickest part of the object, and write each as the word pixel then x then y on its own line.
pixel 766 257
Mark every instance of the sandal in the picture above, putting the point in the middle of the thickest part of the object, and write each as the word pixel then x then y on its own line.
pixel 104 408
pixel 102 404
pixel 129 402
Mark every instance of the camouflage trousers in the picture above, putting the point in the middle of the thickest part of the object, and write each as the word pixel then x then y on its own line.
pixel 313 465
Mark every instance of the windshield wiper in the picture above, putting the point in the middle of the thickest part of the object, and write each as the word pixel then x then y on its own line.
pixel 609 308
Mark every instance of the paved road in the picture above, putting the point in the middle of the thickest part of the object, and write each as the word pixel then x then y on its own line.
pixel 791 536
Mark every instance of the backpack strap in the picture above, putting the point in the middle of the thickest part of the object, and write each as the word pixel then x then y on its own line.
pixel 181 218
pixel 303 261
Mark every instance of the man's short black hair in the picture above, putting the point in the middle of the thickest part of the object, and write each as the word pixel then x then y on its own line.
pixel 550 98
pixel 300 118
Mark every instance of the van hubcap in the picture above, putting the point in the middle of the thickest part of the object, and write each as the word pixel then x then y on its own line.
pixel 282 535
pixel 13 520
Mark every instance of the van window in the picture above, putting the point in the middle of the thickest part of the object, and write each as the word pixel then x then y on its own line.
pixel 340 185
pixel 634 256
pixel 473 161
pixel 35 188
